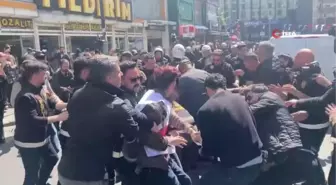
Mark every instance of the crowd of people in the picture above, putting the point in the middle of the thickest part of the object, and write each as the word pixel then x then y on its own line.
pixel 242 114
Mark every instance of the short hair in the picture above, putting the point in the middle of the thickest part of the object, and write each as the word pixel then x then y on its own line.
pixel 100 68
pixel 63 60
pixel 31 67
pixel 251 55
pixel 127 65
pixel 215 81
pixel 80 64
pixel 148 56
pixel 164 76
pixel 259 88
pixel 269 47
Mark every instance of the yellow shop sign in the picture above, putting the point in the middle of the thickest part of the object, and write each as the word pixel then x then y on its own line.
pixel 9 22
pixel 78 26
pixel 113 9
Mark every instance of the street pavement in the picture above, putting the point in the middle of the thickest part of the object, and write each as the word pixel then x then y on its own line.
pixel 12 173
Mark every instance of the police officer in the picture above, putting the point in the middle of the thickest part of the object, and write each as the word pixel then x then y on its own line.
pixel 159 56
pixel 32 136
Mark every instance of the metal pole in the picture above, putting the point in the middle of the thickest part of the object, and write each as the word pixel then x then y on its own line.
pixel 103 27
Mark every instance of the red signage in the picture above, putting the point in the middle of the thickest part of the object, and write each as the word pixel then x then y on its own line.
pixel 276 33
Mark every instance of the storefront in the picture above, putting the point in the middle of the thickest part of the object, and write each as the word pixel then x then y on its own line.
pixel 16 26
pixel 79 26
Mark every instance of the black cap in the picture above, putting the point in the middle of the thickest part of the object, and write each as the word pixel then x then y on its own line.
pixel 39 55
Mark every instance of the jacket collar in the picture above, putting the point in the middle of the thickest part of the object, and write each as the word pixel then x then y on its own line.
pixel 108 88
pixel 31 88
pixel 128 91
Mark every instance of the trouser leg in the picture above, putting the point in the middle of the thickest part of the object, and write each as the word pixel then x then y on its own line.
pixel 312 139
pixel 49 161
pixel 31 159
pixel 332 173
pixel 2 112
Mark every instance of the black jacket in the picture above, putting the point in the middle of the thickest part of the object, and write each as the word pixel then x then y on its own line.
pixel 276 127
pixel 224 69
pixel 319 103
pixel 227 129
pixel 31 111
pixel 76 84
pixel 97 118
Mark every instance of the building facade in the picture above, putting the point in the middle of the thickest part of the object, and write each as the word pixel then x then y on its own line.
pixel 48 24
pixel 182 12
pixel 154 18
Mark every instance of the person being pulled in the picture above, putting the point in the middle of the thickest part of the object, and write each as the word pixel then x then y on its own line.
pixel 31 135
pixel 227 130
pixel 165 80
pixel 93 134
pixel 218 65
pixel 287 161
pixel 62 80
pixel 206 57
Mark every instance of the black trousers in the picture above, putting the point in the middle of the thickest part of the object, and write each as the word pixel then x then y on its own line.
pixel 312 139
pixel 2 112
pixel 38 164
pixel 301 165
pixel 332 173
pixel 173 176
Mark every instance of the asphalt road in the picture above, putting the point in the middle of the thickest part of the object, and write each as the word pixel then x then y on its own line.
pixel 11 169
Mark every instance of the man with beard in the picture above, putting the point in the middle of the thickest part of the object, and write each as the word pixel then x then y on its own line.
pixel 148 66
pixel 131 81
pixel 218 65
pixel 62 80
pixel 287 162
pixel 92 108
pixel 206 57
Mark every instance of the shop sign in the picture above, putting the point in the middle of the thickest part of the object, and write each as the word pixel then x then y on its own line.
pixel 186 11
pixel 72 26
pixel 113 9
pixel 154 26
pixel 9 22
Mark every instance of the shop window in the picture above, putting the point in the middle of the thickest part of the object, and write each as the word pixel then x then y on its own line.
pixel 136 43
pixel 279 12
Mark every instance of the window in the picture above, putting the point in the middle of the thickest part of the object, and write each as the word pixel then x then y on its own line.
pixel 270 5
pixel 279 12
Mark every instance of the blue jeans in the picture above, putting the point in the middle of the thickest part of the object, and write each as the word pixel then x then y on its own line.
pixel 218 175
pixel 174 176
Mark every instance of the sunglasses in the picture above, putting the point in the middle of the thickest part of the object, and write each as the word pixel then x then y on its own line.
pixel 133 80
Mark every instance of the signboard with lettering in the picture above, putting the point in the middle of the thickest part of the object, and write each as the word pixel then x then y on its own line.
pixel 78 26
pixel 10 22
pixel 113 9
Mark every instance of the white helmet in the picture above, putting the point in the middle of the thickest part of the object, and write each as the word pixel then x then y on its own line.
pixel 178 51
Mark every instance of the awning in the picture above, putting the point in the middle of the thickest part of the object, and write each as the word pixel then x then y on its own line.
pixel 199 27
